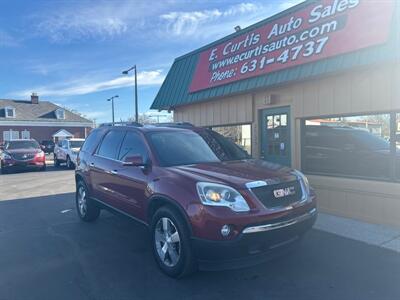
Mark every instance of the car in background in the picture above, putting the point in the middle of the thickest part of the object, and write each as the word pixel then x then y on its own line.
pixel 207 203
pixel 47 146
pixel 66 151
pixel 22 155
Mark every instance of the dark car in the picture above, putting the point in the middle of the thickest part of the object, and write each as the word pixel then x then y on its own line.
pixel 208 205
pixel 22 155
pixel 47 146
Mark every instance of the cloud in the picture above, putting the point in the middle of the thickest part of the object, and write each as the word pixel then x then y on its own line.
pixel 187 23
pixel 6 40
pixel 82 87
pixel 289 3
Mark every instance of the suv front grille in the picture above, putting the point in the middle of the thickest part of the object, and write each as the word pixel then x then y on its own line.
pixel 23 156
pixel 279 195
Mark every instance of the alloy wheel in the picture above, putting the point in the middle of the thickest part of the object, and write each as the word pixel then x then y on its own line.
pixel 82 205
pixel 167 242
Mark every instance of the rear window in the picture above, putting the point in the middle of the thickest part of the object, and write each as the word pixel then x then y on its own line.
pixel 92 140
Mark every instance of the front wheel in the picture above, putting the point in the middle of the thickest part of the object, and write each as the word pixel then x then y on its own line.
pixel 87 209
pixel 171 243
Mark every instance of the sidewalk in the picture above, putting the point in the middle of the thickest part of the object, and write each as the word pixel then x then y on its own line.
pixel 378 235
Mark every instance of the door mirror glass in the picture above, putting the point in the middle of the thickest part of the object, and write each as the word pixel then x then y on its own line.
pixel 134 160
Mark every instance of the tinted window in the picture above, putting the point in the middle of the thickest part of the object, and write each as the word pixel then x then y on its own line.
pixel 22 145
pixel 92 140
pixel 355 146
pixel 110 145
pixel 181 148
pixel 131 146
pixel 397 142
pixel 76 144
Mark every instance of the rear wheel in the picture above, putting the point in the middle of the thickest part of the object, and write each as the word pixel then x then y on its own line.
pixel 171 243
pixel 87 209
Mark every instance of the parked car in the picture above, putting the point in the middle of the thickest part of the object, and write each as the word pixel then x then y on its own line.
pixel 22 154
pixel 207 203
pixel 47 146
pixel 66 151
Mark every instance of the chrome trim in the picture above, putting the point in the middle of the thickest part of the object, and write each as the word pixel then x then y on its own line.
pixel 273 226
pixel 255 184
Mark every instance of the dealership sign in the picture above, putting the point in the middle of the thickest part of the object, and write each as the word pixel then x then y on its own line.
pixel 319 30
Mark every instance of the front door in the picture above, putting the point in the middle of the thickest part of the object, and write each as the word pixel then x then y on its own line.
pixel 275 135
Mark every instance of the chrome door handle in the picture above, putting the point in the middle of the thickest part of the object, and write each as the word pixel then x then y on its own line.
pixel 114 172
pixel 92 164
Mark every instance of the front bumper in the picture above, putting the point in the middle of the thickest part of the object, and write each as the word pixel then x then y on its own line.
pixel 254 245
pixel 30 164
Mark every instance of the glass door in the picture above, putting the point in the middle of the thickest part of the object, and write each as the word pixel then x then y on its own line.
pixel 275 135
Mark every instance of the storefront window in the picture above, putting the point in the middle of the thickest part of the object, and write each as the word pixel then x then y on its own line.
pixel 356 146
pixel 239 134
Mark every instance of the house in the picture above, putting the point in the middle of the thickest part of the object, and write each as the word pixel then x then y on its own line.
pixel 40 120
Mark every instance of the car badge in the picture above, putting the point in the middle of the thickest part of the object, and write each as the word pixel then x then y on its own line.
pixel 288 191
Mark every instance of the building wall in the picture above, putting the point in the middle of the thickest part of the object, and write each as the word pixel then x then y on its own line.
pixel 40 133
pixel 369 90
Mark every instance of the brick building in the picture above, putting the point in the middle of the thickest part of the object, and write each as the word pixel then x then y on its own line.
pixel 40 120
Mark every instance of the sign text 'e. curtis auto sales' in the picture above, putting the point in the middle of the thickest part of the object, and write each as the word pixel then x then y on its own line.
pixel 322 29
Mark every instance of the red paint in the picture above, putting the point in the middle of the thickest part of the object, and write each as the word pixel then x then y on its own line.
pixel 350 25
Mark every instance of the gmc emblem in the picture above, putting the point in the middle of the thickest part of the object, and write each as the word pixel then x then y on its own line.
pixel 288 191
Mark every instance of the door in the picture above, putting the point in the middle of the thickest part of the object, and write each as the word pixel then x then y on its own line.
pixel 275 135
pixel 104 166
pixel 132 180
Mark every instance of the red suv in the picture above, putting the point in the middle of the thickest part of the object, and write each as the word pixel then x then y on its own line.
pixel 207 203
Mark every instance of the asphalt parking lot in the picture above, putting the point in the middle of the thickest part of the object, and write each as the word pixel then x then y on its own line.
pixel 47 253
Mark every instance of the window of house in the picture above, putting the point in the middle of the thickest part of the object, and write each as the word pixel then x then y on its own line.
pixel 10 112
pixel 60 113
pixel 239 134
pixel 10 135
pixel 25 134
pixel 349 146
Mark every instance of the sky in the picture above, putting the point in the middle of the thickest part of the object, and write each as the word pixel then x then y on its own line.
pixel 72 52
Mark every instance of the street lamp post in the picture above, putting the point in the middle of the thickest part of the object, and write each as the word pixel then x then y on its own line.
pixel 126 72
pixel 112 107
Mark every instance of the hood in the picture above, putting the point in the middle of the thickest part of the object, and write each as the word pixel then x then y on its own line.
pixel 236 173
pixel 28 150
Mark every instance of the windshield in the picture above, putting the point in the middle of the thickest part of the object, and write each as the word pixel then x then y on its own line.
pixel 76 144
pixel 188 147
pixel 12 145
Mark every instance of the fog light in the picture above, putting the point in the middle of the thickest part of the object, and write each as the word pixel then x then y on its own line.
pixel 225 230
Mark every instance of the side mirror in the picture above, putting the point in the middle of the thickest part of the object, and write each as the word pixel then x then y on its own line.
pixel 135 161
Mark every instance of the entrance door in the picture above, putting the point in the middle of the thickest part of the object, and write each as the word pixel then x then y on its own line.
pixel 275 135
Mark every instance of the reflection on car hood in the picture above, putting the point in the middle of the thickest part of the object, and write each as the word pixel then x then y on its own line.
pixel 28 150
pixel 236 173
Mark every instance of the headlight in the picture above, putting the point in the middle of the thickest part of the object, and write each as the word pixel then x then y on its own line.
pixel 214 194
pixel 6 156
pixel 40 154
pixel 304 180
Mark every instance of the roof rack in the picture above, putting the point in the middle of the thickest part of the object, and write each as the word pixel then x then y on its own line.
pixel 174 124
pixel 134 124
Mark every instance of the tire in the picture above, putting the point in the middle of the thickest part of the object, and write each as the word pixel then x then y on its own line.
pixel 3 170
pixel 70 164
pixel 87 210
pixel 56 162
pixel 178 260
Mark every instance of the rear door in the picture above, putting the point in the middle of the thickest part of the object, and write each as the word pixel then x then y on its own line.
pixel 104 166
